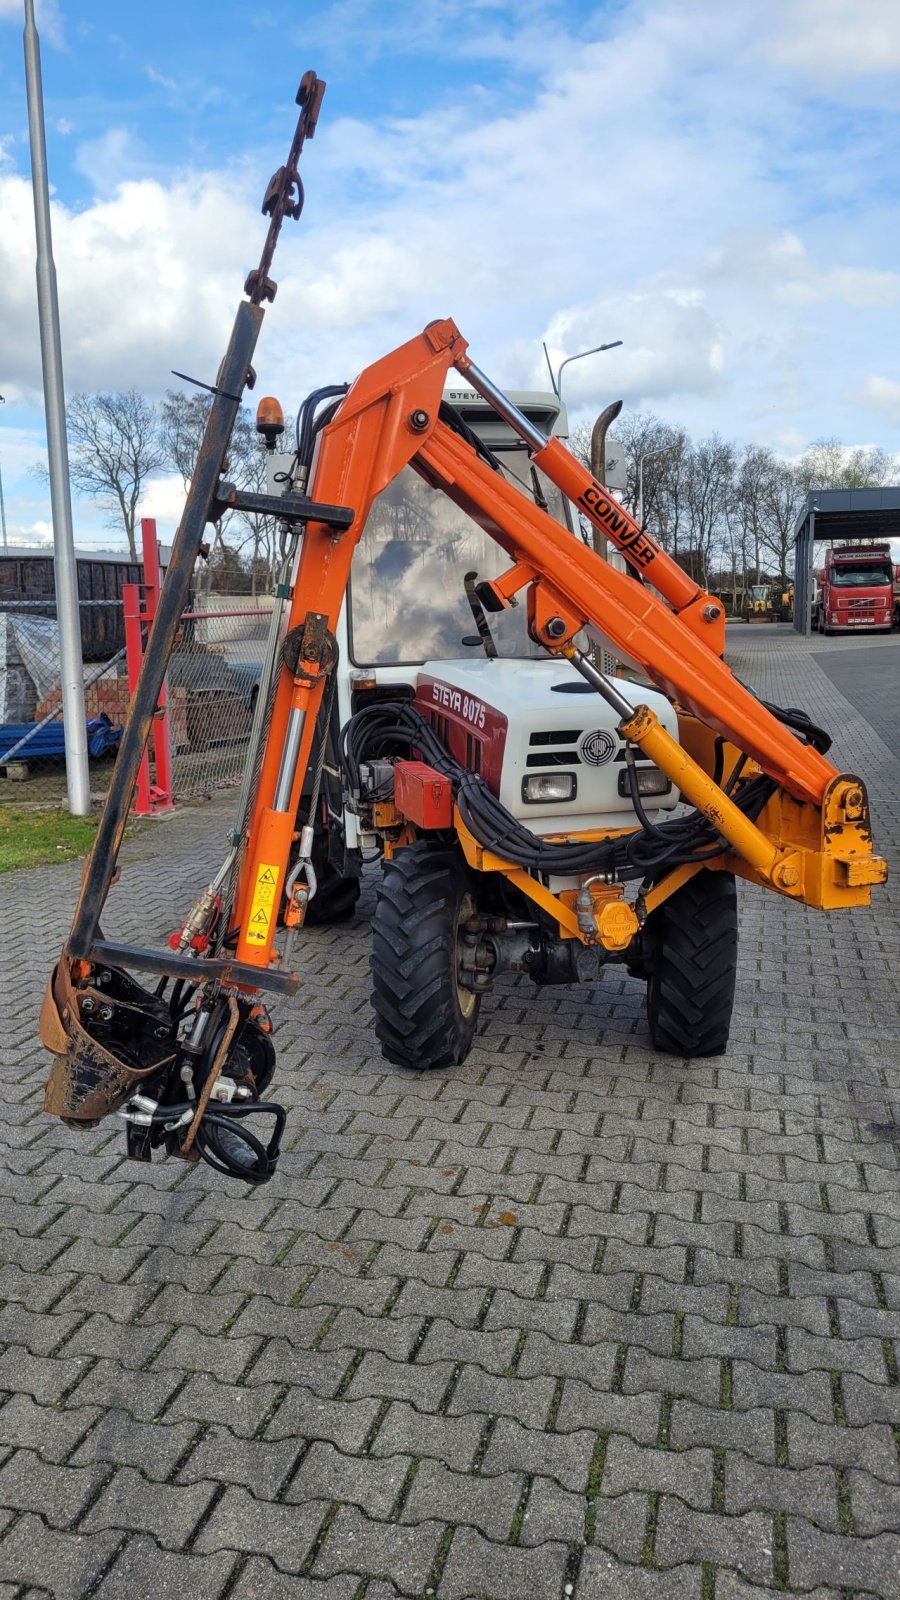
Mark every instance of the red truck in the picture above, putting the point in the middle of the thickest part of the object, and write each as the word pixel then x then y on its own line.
pixel 855 590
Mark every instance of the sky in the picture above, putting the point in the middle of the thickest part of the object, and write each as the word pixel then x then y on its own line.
pixel 712 183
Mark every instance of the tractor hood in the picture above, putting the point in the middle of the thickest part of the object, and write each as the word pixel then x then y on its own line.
pixel 512 720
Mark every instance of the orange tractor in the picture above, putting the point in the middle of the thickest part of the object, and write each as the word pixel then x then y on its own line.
pixel 501 851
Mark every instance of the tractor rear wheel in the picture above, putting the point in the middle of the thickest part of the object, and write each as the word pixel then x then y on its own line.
pixel 423 1015
pixel 693 960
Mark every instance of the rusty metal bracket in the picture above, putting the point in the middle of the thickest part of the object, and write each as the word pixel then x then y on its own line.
pixel 165 963
pixel 284 192
pixel 286 507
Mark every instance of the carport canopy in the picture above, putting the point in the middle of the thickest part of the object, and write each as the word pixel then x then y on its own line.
pixel 838 516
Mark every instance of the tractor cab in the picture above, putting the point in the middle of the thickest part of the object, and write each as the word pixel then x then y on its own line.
pixel 413 629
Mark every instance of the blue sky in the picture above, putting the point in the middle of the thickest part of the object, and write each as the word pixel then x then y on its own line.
pixel 715 184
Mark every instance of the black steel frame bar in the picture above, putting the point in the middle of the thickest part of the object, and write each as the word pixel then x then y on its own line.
pixel 173 601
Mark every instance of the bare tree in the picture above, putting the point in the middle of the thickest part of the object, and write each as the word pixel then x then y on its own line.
pixel 828 464
pixel 184 418
pixel 784 495
pixel 114 448
pixel 710 491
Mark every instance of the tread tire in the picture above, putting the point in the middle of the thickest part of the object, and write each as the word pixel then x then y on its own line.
pixel 419 1018
pixel 690 992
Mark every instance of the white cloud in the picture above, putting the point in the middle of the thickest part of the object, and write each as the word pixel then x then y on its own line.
pixel 780 266
pixel 161 79
pixel 641 184
pixel 882 395
pixel 163 498
pixel 837 39
pixel 670 346
pixel 148 279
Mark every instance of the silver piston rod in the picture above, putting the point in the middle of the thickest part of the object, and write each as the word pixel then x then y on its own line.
pixel 503 406
pixel 289 757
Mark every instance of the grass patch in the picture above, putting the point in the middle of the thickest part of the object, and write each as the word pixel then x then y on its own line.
pixel 33 838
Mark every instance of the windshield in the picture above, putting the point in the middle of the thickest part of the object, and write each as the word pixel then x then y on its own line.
pixel 407 590
pixel 860 577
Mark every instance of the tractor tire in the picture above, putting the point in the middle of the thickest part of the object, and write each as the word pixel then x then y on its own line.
pixel 423 1018
pixel 693 959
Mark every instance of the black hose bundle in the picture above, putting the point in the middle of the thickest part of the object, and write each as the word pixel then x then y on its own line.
pixel 223 1141
pixel 392 728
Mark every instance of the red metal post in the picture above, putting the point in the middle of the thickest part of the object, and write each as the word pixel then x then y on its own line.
pixel 161 791
pixel 131 600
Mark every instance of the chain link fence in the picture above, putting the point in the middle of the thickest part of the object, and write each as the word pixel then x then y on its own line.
pixel 213 682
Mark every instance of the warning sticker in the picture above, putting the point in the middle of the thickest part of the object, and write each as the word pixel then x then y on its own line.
pixel 262 906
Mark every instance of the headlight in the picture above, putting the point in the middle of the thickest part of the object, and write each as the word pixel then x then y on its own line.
pixel 545 786
pixel 649 781
pixel 834 616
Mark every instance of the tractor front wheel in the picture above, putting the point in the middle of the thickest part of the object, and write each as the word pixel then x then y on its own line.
pixel 424 1017
pixel 693 966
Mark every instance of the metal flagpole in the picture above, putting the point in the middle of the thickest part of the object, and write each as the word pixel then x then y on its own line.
pixel 72 671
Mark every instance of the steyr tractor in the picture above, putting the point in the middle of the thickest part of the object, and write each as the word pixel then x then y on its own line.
pixel 534 813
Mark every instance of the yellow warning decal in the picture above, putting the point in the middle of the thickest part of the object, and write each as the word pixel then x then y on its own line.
pixel 262 906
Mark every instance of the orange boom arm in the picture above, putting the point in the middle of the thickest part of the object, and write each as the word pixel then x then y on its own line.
pixel 388 420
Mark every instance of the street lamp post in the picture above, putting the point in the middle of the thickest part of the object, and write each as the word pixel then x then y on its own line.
pixel 557 380
pixel 641 459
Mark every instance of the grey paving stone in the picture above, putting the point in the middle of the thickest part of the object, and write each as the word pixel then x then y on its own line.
pixel 620 1525
pixel 169 1512
pixel 730 1587
pixel 261 1465
pixel 397 1380
pixel 527 1400
pixel 808 1491
pixel 873 1504
pixel 154 1448
pixel 283 1533
pixel 54 1433
pixel 565 1456
pixel 259 1580
pixel 687 1473
pixel 406 1431
pixel 204 1399
pixel 327 1474
pixel 742 1542
pixel 634 1414
pixel 852 1563
pixel 486 1503
pixel 344 1422
pixel 752 1431
pixel 603 1578
pixel 401 1555
pixel 66 1564
pixel 144 1571
pixel 56 1492
pixel 105 1383
pixel 475 1565
pixel 552 1513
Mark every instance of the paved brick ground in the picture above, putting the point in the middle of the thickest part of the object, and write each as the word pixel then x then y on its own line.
pixel 572 1320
